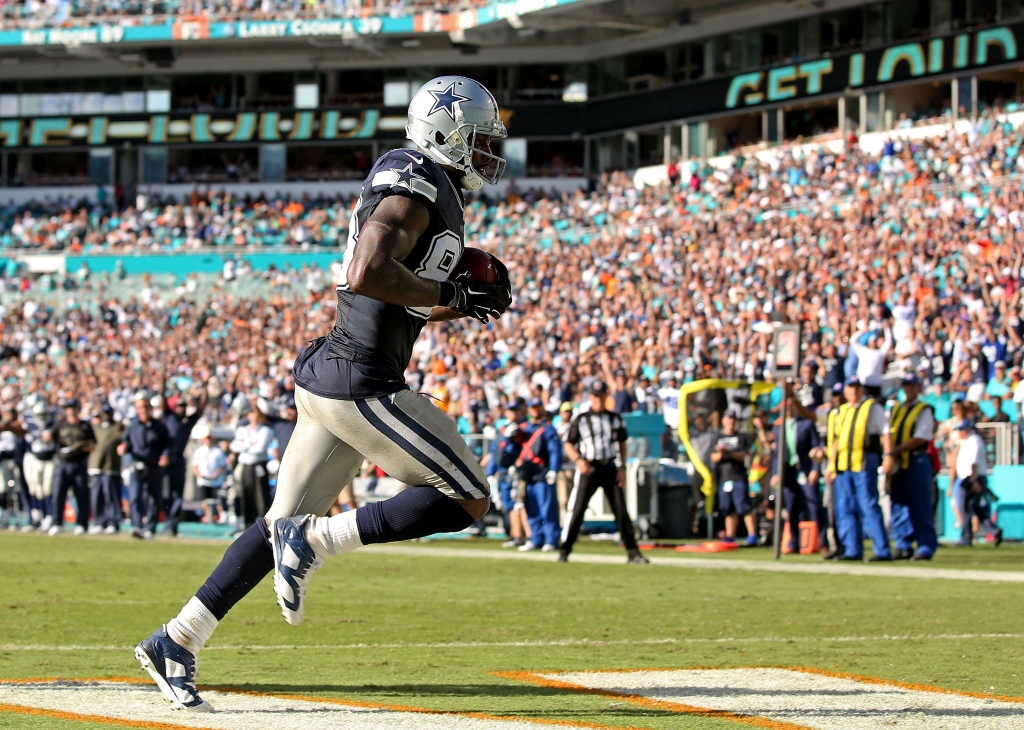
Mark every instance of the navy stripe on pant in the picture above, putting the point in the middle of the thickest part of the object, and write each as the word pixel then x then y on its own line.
pixel 444 449
pixel 422 458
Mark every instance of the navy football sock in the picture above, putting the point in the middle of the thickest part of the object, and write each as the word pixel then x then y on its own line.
pixel 247 562
pixel 413 512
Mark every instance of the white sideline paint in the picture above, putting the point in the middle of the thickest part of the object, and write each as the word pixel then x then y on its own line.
pixel 716 563
pixel 234 711
pixel 809 700
pixel 528 644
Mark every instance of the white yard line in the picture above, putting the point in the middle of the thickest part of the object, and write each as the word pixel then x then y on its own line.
pixel 768 566
pixel 111 700
pixel 528 644
pixel 807 699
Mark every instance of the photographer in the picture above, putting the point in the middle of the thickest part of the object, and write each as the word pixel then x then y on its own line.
pixel 976 498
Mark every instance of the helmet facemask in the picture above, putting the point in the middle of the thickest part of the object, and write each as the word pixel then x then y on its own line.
pixel 463 142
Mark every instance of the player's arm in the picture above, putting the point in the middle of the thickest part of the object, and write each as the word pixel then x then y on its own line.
pixel 444 314
pixel 386 239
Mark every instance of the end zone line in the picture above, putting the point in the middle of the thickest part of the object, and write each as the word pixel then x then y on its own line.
pixel 768 566
pixel 678 707
pixel 95 719
pixel 528 644
pixel 145 725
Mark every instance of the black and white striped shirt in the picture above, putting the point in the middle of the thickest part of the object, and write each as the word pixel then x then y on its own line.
pixel 597 435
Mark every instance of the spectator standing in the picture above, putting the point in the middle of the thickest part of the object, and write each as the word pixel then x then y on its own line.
pixel 862 437
pixel 871 359
pixel 210 468
pixel 38 464
pixel 729 460
pixel 252 444
pixel 105 472
pixel 75 439
pixel 537 471
pixel 149 445
pixel 179 422
pixel 595 438
pixel 912 427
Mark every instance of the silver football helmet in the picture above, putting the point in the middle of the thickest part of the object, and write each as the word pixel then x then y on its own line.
pixel 446 116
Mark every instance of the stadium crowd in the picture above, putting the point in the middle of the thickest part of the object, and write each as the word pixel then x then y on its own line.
pixel 903 264
pixel 74 13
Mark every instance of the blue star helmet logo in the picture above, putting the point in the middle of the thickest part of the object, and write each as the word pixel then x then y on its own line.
pixel 445 101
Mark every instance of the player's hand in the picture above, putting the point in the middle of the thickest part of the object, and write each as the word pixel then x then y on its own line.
pixel 503 277
pixel 477 300
pixel 551 477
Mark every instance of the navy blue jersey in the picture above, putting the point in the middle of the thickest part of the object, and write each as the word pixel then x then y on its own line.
pixel 366 353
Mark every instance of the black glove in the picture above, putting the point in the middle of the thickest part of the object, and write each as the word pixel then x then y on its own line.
pixel 503 280
pixel 474 298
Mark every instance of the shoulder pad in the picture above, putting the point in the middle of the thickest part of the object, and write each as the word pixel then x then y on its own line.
pixel 407 172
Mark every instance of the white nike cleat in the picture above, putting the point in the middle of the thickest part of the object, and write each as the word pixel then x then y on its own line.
pixel 294 564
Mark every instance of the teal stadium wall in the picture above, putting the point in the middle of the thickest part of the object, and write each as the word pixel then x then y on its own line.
pixel 1007 482
pixel 182 264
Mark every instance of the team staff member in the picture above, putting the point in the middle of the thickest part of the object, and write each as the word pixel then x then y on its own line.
pixel 146 440
pixel 912 424
pixel 862 438
pixel 179 425
pixel 730 465
pixel 75 440
pixel 594 438
pixel 536 470
pixel 105 472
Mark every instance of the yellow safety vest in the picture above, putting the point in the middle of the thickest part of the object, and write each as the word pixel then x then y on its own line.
pixel 853 437
pixel 830 436
pixel 901 426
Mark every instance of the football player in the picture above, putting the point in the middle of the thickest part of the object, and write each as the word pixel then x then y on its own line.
pixel 405 239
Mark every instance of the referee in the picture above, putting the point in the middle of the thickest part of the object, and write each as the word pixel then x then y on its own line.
pixel 594 437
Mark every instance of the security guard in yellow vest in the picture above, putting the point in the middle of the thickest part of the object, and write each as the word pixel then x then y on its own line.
pixel 860 440
pixel 912 426
pixel 829 471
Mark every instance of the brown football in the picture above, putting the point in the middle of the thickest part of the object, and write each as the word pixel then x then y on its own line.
pixel 478 264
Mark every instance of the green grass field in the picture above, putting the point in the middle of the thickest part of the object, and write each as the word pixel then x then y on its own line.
pixel 377 624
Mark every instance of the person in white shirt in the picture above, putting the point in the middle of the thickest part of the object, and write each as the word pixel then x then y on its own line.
pixel 971 488
pixel 210 468
pixel 251 443
pixel 871 359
